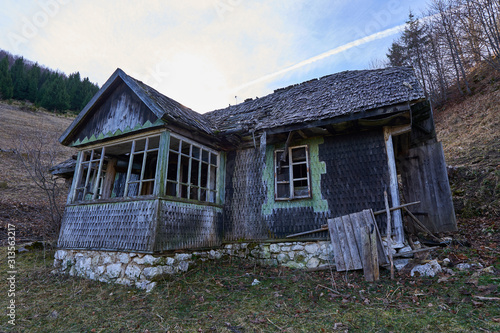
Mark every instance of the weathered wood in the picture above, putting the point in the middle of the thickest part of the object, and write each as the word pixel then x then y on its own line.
pixel 109 179
pixel 346 235
pixel 388 234
pixel 393 177
pixel 420 225
pixel 425 178
pixel 369 253
pixel 378 212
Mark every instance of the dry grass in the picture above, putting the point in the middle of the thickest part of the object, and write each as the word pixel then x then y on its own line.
pixel 219 297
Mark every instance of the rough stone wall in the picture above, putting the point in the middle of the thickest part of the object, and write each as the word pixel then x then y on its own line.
pixel 144 270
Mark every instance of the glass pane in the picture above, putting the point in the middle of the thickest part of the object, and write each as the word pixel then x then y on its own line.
pixel 174 144
pixel 172 166
pixel 137 164
pixel 283 174
pixel 185 148
pixel 140 145
pixel 154 142
pixel 213 177
pixel 300 171
pixel 205 155
pixel 119 185
pixel 300 188
pixel 171 189
pixel 299 154
pixel 212 196
pixel 184 169
pixel 194 172
pixel 283 191
pixel 195 152
pixel 213 159
pixel 147 187
pixel 203 195
pixel 133 188
pixel 150 169
pixel 204 175
pixel 193 193
pixel 184 191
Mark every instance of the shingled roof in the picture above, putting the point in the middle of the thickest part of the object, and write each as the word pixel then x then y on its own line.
pixel 331 96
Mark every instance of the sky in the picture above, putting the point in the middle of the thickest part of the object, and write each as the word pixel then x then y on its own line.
pixel 205 54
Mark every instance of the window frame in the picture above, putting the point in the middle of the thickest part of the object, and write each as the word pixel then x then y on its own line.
pixel 290 163
pixel 183 190
pixel 98 181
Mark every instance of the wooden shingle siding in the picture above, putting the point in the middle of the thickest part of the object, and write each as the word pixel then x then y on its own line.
pixel 123 226
pixel 187 226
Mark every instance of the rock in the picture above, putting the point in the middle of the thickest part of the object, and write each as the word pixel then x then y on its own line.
pixel 312 248
pixel 429 269
pixel 183 266
pixel 151 273
pixel 313 262
pixel 297 247
pixel 183 256
pixel 274 248
pixel 489 269
pixel 446 262
pixel 399 264
pixel 293 264
pixel 132 272
pixel 123 258
pixel 282 257
pixel 150 260
pixel 405 249
pixel 113 271
pixel 60 255
pixel 464 267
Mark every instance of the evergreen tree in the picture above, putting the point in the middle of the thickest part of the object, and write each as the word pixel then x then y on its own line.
pixel 33 82
pixel 6 84
pixel 74 89
pixel 88 91
pixel 19 78
pixel 53 94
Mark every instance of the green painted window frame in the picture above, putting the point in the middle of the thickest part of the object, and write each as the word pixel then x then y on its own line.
pixel 192 171
pixel 290 172
pixel 91 170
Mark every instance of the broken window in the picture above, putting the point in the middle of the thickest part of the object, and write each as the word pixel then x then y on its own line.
pixel 121 170
pixel 192 171
pixel 292 180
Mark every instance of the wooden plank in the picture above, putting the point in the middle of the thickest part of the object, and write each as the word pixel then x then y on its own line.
pixel 337 251
pixel 351 241
pixel 382 256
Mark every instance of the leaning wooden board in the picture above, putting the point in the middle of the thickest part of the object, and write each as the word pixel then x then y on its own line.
pixel 345 233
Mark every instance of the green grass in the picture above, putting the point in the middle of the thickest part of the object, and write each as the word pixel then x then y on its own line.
pixel 219 297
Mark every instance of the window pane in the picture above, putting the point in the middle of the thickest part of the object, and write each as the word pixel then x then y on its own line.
pixel 194 172
pixel 213 159
pixel 140 145
pixel 174 144
pixel 299 154
pixel 193 193
pixel 171 189
pixel 185 148
pixel 300 171
pixel 283 174
pixel 172 166
pixel 119 185
pixel 205 156
pixel 213 177
pixel 154 142
pixel 300 188
pixel 184 191
pixel 133 186
pixel 147 187
pixel 150 168
pixel 283 190
pixel 195 152
pixel 184 177
pixel 204 175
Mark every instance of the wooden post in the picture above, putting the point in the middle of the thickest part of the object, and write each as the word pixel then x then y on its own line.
pixel 109 180
pixel 393 178
pixel 388 234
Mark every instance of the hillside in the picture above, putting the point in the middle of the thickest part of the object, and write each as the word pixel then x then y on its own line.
pixel 469 129
pixel 22 202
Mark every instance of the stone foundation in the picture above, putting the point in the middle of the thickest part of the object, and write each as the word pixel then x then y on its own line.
pixel 143 270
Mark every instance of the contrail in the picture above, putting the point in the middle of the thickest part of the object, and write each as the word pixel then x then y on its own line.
pixel 342 48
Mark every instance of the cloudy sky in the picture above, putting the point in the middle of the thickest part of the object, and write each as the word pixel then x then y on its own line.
pixel 203 53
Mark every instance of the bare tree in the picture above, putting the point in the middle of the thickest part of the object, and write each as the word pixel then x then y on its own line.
pixel 38 152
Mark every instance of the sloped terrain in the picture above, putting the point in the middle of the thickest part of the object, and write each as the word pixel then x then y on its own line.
pixel 469 129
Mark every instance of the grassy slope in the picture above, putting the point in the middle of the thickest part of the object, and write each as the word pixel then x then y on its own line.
pixel 470 132
pixel 21 201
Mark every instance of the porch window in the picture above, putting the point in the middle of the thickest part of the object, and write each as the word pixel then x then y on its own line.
pixel 292 179
pixel 121 170
pixel 192 171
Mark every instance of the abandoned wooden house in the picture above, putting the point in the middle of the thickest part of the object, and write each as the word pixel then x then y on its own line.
pixel 154 176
